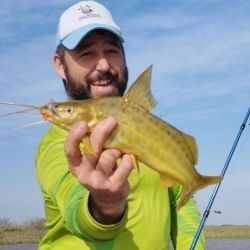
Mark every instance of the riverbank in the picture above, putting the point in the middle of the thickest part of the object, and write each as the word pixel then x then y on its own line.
pixel 32 232
pixel 28 232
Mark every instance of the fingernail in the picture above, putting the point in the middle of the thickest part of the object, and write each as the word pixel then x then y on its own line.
pixel 81 125
pixel 112 120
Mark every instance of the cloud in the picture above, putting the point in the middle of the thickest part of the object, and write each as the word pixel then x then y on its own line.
pixel 24 20
pixel 197 55
pixel 31 77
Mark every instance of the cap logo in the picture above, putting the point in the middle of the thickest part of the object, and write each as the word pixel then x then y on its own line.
pixel 87 12
pixel 85 9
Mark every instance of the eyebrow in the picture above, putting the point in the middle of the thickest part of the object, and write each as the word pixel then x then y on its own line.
pixel 82 47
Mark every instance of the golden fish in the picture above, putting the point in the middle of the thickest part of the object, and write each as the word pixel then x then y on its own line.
pixel 148 139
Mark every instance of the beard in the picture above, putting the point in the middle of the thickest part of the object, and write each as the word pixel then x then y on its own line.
pixel 81 90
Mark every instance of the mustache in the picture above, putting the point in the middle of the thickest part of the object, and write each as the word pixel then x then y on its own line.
pixel 107 75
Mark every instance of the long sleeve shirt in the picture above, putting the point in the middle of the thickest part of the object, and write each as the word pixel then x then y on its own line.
pixel 150 221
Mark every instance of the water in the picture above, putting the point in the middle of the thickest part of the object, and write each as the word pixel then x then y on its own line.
pixel 224 244
pixel 228 244
pixel 19 247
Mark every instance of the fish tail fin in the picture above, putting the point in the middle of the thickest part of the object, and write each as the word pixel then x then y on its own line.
pixel 202 182
pixel 205 181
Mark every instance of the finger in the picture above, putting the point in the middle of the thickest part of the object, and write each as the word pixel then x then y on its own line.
pixel 71 146
pixel 97 139
pixel 101 133
pixel 108 161
pixel 123 171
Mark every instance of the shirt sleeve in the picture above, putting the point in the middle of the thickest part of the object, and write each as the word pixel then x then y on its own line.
pixel 68 195
pixel 185 222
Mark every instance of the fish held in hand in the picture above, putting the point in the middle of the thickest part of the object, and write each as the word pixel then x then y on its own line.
pixel 147 138
pixel 165 149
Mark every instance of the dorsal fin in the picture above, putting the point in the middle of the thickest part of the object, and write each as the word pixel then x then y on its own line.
pixel 140 91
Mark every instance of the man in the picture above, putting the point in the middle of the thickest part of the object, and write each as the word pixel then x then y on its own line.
pixel 98 202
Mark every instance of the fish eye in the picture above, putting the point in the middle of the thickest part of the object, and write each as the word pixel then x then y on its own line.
pixel 69 110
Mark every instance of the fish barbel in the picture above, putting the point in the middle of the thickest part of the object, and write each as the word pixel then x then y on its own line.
pixel 147 138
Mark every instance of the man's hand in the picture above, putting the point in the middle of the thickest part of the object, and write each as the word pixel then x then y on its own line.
pixel 107 183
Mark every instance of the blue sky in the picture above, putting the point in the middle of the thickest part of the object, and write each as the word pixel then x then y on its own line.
pixel 200 53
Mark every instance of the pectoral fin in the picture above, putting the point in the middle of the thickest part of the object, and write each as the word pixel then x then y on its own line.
pixel 87 147
pixel 135 163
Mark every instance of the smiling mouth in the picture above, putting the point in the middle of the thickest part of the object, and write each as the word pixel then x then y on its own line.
pixel 102 83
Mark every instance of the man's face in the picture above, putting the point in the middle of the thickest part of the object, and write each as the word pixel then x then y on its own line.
pixel 96 68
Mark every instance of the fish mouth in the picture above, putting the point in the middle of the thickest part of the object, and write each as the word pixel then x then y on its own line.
pixel 46 115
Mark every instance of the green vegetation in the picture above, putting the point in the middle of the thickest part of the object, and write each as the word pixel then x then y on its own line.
pixel 33 230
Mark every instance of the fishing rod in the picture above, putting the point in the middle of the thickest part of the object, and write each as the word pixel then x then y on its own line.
pixel 210 203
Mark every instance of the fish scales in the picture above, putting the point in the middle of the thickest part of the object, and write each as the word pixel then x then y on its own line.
pixel 147 137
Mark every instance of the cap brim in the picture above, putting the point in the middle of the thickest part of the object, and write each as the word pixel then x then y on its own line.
pixel 71 41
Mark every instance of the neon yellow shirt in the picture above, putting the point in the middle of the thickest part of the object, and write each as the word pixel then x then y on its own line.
pixel 149 223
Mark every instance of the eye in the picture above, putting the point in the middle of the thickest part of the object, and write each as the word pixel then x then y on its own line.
pixel 86 54
pixel 113 51
pixel 69 110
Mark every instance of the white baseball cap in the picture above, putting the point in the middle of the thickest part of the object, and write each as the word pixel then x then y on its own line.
pixel 81 18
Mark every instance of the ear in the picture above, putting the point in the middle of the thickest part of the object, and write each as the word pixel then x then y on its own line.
pixel 59 65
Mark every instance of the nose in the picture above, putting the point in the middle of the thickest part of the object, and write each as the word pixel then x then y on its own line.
pixel 102 65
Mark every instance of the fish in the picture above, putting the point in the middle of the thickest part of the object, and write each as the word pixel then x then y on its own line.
pixel 147 138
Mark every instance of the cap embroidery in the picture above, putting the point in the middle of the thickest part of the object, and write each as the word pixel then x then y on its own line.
pixel 87 13
pixel 85 9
